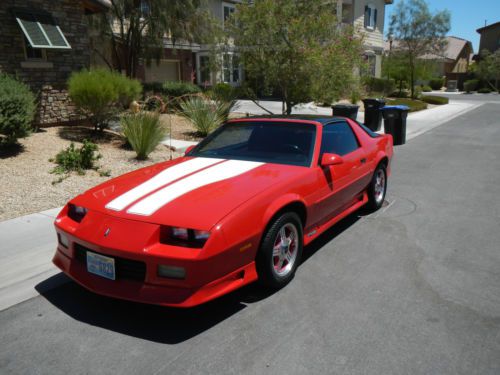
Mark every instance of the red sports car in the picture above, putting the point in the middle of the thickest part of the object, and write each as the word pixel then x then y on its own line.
pixel 237 208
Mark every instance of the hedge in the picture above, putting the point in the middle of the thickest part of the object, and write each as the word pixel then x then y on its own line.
pixel 437 100
pixel 471 85
pixel 436 83
pixel 415 105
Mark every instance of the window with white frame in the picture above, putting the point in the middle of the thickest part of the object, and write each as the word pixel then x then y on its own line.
pixel 231 68
pixel 227 10
pixel 40 29
pixel 370 17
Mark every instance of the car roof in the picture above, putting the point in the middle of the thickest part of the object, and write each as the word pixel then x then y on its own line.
pixel 322 119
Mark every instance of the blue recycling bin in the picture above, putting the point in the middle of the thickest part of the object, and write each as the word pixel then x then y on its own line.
pixel 395 122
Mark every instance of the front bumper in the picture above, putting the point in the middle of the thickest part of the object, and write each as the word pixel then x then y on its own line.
pixel 209 272
pixel 144 292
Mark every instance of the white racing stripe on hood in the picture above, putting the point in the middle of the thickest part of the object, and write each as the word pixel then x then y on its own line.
pixel 223 171
pixel 161 179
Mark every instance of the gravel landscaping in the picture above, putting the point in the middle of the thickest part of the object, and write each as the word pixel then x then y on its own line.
pixel 27 184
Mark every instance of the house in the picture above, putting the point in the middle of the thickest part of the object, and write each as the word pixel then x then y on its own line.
pixel 42 42
pixel 367 18
pixel 191 62
pixel 490 37
pixel 231 71
pixel 454 63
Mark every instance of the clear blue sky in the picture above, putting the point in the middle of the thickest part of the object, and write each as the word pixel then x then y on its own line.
pixel 466 16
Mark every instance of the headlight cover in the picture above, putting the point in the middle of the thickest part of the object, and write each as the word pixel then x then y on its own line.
pixel 76 213
pixel 185 237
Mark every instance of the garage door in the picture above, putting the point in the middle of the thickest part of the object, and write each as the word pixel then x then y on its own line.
pixel 166 70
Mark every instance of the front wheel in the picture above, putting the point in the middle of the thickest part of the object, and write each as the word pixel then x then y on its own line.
pixel 377 188
pixel 280 251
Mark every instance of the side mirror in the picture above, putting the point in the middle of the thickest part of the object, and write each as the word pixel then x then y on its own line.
pixel 188 150
pixel 331 159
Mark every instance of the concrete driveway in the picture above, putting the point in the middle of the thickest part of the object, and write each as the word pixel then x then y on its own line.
pixel 411 289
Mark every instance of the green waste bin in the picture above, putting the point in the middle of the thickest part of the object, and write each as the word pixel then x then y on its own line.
pixel 373 116
pixel 395 122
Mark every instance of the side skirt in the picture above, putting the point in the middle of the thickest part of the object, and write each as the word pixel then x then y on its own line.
pixel 312 233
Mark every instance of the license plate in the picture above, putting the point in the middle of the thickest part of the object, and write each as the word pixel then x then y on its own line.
pixel 101 265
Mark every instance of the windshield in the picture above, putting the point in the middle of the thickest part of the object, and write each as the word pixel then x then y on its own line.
pixel 264 141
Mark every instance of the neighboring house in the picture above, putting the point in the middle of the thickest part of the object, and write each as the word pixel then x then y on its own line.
pixel 231 71
pixel 42 42
pixel 191 62
pixel 490 37
pixel 367 17
pixel 455 61
pixel 452 64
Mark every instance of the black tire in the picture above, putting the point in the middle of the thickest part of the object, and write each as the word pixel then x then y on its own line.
pixel 374 199
pixel 268 275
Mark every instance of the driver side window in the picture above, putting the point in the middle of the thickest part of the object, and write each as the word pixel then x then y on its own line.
pixel 338 139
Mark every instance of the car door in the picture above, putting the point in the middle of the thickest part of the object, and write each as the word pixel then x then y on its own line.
pixel 340 184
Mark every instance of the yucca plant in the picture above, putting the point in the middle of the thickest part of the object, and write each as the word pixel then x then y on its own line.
pixel 144 132
pixel 205 114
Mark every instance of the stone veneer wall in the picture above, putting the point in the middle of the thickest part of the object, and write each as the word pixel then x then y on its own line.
pixel 48 78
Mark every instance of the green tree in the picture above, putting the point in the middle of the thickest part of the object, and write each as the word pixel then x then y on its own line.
pixel 395 65
pixel 138 29
pixel 488 69
pixel 297 47
pixel 418 33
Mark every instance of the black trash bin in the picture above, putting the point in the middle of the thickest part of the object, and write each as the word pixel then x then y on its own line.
pixel 345 110
pixel 373 116
pixel 395 122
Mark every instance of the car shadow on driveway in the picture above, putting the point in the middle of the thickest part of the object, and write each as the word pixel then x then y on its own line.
pixel 156 323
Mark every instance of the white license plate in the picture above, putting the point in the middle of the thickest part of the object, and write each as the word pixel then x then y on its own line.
pixel 101 265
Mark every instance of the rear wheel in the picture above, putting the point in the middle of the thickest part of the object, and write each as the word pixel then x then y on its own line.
pixel 280 251
pixel 377 188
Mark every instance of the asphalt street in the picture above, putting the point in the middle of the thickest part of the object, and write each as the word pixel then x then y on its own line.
pixel 411 289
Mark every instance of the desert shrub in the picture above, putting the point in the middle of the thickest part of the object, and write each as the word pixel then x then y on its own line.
pixel 414 105
pixel 17 109
pixel 471 85
pixel 144 132
pixel 432 99
pixel 100 93
pixel 176 89
pixel 436 83
pixel 426 88
pixel 223 92
pixel 204 114
pixel 78 160
pixel 381 85
pixel 417 91
pixel 484 90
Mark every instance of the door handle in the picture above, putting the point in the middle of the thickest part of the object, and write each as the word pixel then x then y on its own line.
pixel 363 160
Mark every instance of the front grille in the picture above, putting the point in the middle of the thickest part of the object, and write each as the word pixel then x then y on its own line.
pixel 124 268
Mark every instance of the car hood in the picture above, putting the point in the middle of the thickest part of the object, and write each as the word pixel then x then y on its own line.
pixel 187 192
